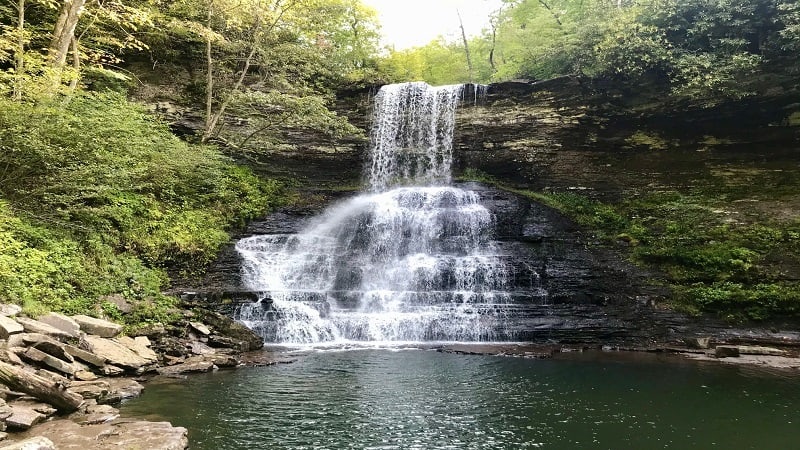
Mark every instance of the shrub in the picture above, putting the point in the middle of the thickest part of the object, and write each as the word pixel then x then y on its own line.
pixel 102 199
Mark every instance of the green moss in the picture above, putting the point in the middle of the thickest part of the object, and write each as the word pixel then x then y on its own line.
pixel 471 174
pixel 794 119
pixel 649 140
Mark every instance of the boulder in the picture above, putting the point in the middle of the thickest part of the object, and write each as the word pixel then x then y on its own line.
pixel 119 301
pixel 121 389
pixel 114 352
pixel 726 351
pixel 224 326
pixel 697 342
pixel 199 348
pixel 187 367
pixel 9 309
pixel 62 322
pixel 200 328
pixel 9 356
pixel 34 443
pixel 9 326
pixel 136 347
pixel 224 360
pixel 84 375
pixel 5 410
pixel 112 371
pixel 144 341
pixel 220 341
pixel 98 327
pixel 34 326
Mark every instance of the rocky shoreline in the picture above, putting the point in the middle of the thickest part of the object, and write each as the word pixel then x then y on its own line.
pixel 785 357
pixel 61 376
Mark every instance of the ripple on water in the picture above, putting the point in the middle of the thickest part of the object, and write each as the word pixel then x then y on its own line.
pixel 380 399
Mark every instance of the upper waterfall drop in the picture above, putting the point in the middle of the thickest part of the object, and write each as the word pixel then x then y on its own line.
pixel 412 134
pixel 411 263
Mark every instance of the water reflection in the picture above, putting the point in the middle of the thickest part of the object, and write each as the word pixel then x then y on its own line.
pixel 429 400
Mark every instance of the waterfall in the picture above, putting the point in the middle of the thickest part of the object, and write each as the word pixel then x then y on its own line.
pixel 412 134
pixel 411 260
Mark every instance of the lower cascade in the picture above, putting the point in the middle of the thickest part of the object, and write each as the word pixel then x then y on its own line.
pixel 408 263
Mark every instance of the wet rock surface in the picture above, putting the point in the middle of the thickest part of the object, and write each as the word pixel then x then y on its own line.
pixel 124 434
pixel 565 134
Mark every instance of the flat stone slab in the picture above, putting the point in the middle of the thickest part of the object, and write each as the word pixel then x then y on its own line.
pixel 766 361
pixel 38 356
pixel 34 326
pixel 760 350
pixel 9 309
pixel 34 443
pixel 114 352
pixel 138 348
pixel 85 356
pixel 200 328
pixel 47 345
pixel 23 417
pixel 62 322
pixel 120 434
pixel 98 327
pixel 187 367
pixel 9 326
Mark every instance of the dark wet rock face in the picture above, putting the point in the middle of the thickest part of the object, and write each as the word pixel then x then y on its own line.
pixel 563 292
pixel 573 133
pixel 562 134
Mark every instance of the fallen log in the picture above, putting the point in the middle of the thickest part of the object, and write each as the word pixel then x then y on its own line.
pixel 43 389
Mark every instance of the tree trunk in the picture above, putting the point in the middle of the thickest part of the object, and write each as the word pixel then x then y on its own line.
pixel 213 120
pixel 209 73
pixel 19 65
pixel 76 65
pixel 64 31
pixel 466 46
pixel 493 23
pixel 43 389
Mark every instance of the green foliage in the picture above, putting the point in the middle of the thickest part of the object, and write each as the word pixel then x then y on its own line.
pixel 697 49
pixel 737 301
pixel 736 270
pixel 100 199
pixel 599 217
pixel 274 114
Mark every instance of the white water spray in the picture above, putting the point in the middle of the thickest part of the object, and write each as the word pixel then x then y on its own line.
pixel 413 263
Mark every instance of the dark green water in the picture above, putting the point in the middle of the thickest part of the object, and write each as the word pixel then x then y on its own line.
pixel 414 399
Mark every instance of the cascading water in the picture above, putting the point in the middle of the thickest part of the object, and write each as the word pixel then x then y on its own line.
pixel 410 263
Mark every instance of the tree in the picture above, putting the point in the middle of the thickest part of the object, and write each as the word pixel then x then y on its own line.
pixel 64 31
